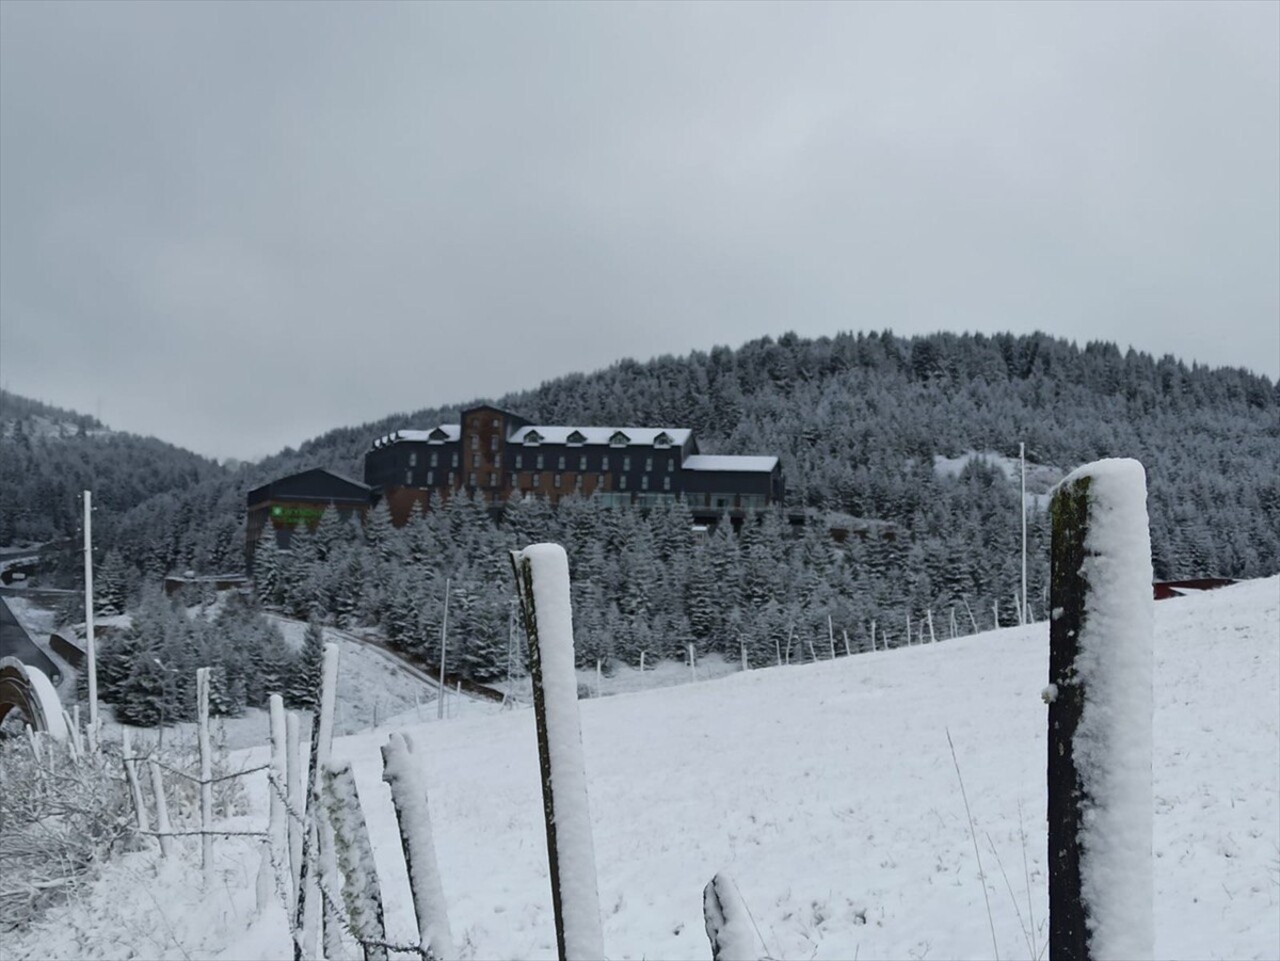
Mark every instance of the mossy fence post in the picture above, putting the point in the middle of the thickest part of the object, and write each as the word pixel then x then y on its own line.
pixel 1100 713
pixel 542 580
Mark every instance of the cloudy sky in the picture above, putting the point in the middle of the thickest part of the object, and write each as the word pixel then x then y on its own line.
pixel 235 226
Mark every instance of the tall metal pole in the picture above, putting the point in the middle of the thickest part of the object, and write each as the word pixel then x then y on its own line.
pixel 1024 614
pixel 444 640
pixel 88 619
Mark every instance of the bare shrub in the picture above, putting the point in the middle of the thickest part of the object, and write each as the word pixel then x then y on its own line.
pixel 60 816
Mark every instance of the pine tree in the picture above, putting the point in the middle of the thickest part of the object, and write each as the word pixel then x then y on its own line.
pixel 303 688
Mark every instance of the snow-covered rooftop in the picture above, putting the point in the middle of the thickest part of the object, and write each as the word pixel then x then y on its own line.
pixel 643 436
pixel 730 462
pixel 445 432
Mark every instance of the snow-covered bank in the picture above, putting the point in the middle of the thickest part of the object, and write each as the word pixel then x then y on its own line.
pixel 826 791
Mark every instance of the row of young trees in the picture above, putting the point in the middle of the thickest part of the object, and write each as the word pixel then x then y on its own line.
pixel 147 670
pixel 651 582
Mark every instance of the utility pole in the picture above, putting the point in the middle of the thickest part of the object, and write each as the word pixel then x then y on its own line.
pixel 88 621
pixel 1022 502
pixel 444 640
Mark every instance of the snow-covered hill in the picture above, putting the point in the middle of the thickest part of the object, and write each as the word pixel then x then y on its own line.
pixel 827 791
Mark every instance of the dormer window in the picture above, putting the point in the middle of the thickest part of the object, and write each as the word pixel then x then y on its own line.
pixel 619 439
pixel 576 439
pixel 662 440
pixel 533 438
pixel 438 436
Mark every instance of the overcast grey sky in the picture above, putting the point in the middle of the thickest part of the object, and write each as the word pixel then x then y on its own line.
pixel 235 226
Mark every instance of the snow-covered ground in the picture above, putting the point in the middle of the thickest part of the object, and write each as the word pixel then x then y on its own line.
pixel 826 791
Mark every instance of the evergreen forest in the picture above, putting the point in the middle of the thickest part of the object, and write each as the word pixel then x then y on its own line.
pixel 857 420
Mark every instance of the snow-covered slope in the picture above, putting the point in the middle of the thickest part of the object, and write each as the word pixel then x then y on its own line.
pixel 826 791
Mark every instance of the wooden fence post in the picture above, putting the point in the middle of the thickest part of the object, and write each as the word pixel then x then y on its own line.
pixel 206 772
pixel 1100 706
pixel 163 828
pixel 729 927
pixel 296 793
pixel 131 776
pixel 277 779
pixel 353 853
pixel 542 579
pixel 409 798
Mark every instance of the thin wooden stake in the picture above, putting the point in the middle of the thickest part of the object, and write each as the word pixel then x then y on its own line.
pixel 163 828
pixel 206 772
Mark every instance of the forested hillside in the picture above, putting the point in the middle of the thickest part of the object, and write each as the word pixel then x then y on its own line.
pixel 48 456
pixel 857 420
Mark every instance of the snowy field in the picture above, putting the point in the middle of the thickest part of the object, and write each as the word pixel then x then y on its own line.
pixel 827 791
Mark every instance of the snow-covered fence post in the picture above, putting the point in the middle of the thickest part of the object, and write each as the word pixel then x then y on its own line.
pixel 933 638
pixel 313 855
pixel 276 784
pixel 542 578
pixel 873 635
pixel 354 855
pixel 135 787
pixel 693 671
pixel 729 927
pixel 206 772
pixel 409 798
pixel 295 791
pixel 1100 707
pixel 831 637
pixel 163 828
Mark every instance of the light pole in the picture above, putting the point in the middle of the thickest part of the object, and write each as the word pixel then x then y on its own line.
pixel 1024 614
pixel 444 640
pixel 89 645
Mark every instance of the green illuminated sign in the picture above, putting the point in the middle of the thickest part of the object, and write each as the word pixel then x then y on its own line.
pixel 288 514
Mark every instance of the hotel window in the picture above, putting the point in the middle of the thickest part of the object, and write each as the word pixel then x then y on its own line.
pixel 537 480
pixel 600 482
pixel 666 483
pixel 493 442
pixel 561 465
pixel 577 483
pixel 648 463
pixel 497 461
pixel 471 479
pixel 515 481
pixel 497 422
pixel 622 482
pixel 431 478
pixel 455 458
pixel 450 478
pixel 435 459
pixel 644 482
pixel 475 442
pixel 626 462
pixel 493 480
pixel 408 478
pixel 413 459
pixel 604 462
pixel 519 461
pixel 671 464
pixel 540 463
pixel 582 462
pixel 555 481
pixel 475 460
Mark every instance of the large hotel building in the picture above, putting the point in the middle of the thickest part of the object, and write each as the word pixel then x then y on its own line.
pixel 493 455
